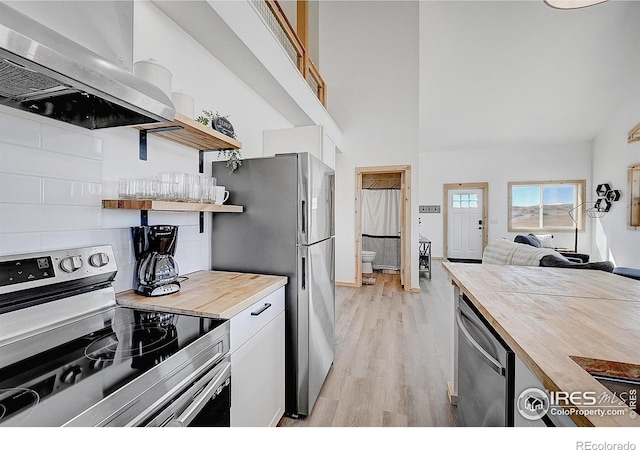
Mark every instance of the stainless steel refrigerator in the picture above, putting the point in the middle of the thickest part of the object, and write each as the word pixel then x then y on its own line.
pixel 287 228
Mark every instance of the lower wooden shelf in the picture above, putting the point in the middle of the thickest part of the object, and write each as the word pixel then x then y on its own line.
pixel 158 205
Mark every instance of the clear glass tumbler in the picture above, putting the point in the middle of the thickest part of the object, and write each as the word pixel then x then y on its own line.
pixel 206 189
pixel 146 188
pixel 193 188
pixel 168 191
pixel 180 178
pixel 127 188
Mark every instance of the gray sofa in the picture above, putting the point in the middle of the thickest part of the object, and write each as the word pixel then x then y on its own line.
pixel 502 251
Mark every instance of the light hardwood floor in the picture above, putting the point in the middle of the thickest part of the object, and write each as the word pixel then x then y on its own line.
pixel 388 365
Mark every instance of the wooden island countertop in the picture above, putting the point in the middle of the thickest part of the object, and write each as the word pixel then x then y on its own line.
pixel 561 322
pixel 215 294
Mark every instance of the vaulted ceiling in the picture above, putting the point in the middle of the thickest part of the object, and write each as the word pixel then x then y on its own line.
pixel 512 72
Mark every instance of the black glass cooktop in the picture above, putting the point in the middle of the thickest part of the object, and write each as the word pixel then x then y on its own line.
pixel 100 354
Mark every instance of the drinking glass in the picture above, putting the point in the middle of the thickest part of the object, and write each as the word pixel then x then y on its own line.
pixel 180 179
pixel 127 188
pixel 193 188
pixel 146 188
pixel 168 191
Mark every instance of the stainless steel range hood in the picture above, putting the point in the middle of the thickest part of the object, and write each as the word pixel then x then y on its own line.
pixel 45 73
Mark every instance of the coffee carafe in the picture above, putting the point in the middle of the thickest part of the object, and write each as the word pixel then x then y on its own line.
pixel 156 268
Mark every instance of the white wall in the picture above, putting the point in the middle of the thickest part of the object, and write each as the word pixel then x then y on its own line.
pixel 53 175
pixel 499 166
pixel 611 157
pixel 372 76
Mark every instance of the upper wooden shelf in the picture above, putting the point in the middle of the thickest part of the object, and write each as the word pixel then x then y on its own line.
pixel 157 205
pixel 193 134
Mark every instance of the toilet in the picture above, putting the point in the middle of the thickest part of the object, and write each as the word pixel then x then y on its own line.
pixel 367 259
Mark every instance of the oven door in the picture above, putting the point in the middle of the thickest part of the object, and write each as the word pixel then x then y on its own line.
pixel 205 402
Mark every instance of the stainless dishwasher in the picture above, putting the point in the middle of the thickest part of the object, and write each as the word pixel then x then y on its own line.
pixel 485 372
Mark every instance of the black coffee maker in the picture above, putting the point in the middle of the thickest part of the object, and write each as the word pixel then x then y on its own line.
pixel 156 268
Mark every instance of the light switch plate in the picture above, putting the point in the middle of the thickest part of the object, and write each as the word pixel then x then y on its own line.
pixel 429 209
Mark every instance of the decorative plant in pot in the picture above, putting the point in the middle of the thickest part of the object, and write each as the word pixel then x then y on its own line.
pixel 220 123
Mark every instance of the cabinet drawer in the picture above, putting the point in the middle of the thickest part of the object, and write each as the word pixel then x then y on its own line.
pixel 248 322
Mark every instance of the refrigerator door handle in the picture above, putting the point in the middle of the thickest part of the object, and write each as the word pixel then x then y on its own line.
pixel 303 277
pixel 304 216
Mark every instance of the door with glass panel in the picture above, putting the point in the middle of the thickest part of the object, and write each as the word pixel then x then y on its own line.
pixel 464 222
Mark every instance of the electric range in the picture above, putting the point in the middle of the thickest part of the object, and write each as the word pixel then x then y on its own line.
pixel 70 356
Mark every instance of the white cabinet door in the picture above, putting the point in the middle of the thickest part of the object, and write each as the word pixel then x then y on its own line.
pixel 257 378
pixel 310 139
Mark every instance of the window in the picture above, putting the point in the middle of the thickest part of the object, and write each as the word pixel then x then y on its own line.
pixel 465 200
pixel 546 205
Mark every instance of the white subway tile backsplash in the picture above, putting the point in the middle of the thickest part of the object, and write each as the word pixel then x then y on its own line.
pixel 70 142
pixel 16 130
pixel 188 257
pixel 190 233
pixel 19 218
pixel 65 192
pixel 53 179
pixel 15 243
pixel 28 161
pixel 174 218
pixel 84 238
pixel 124 277
pixel 20 188
pixel 120 218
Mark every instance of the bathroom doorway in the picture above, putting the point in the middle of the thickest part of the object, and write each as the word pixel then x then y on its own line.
pixel 387 178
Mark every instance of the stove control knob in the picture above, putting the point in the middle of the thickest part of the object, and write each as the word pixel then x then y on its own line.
pixel 72 375
pixel 97 363
pixel 71 264
pixel 99 259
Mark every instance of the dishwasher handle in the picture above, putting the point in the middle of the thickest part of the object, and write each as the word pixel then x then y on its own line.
pixel 486 357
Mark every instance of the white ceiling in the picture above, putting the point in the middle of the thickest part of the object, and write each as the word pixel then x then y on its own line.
pixel 512 72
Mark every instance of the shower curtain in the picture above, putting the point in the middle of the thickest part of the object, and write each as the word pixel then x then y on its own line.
pixel 381 226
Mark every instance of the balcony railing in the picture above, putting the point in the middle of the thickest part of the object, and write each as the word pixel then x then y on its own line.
pixel 276 20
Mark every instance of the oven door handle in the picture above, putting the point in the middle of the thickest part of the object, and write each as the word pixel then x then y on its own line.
pixel 172 393
pixel 203 397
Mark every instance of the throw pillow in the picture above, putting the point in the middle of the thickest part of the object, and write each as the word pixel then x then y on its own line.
pixel 529 239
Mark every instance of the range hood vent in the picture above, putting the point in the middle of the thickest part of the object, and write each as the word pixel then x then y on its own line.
pixel 45 73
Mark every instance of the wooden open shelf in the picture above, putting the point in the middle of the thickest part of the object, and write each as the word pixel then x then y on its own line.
pixel 193 134
pixel 157 205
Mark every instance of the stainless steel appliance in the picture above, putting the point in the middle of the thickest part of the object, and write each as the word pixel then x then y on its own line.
pixel 69 356
pixel 45 73
pixel 287 228
pixel 485 372
pixel 156 268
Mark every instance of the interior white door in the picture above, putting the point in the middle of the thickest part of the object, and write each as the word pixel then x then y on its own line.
pixel 464 224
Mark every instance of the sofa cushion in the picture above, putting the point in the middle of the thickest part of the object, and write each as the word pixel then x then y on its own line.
pixel 627 272
pixel 529 239
pixel 502 251
pixel 554 261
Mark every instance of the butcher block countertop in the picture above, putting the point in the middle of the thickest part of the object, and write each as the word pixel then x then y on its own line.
pixel 206 293
pixel 561 323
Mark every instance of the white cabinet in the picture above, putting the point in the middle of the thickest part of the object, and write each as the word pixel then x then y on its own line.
pixel 312 139
pixel 257 363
